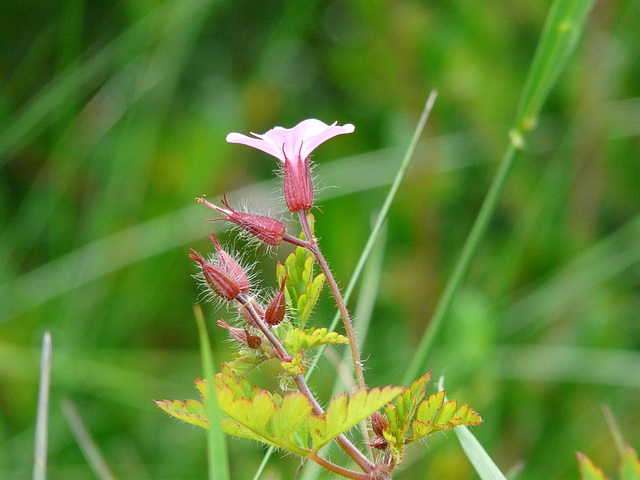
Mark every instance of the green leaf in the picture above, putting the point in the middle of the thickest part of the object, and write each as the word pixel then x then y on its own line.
pixel 246 360
pixel 434 415
pixel 344 413
pixel 479 458
pixel 561 32
pixel 630 466
pixel 302 289
pixel 189 411
pixel 309 298
pixel 588 469
pixel 260 415
pixel 297 339
pixel 400 414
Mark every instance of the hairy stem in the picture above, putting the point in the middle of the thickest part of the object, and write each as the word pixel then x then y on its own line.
pixel 346 319
pixel 337 469
pixel 350 449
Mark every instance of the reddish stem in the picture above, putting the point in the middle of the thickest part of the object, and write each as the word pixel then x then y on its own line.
pixel 350 449
pixel 312 245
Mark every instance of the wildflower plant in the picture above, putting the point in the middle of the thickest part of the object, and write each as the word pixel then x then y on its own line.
pixel 281 327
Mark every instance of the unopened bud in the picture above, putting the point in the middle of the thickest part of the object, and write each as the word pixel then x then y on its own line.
pixel 276 309
pixel 267 229
pixel 379 444
pixel 216 278
pixel 378 423
pixel 230 266
pixel 242 335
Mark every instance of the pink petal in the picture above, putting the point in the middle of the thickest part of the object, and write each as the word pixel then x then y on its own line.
pixel 315 138
pixel 265 145
pixel 290 143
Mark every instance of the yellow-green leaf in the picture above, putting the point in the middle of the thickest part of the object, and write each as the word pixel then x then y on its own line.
pixel 260 415
pixel 296 339
pixel 434 415
pixel 344 413
pixel 189 411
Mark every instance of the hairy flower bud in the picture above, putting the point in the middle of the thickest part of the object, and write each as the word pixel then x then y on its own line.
pixel 378 423
pixel 276 309
pixel 267 229
pixel 230 266
pixel 242 335
pixel 225 277
pixel 217 280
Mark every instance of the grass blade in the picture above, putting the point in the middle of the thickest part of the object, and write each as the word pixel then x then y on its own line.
pixel 479 458
pixel 217 457
pixel 558 39
pixel 85 442
pixel 42 421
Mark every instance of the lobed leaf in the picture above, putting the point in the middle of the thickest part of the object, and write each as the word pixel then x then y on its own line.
pixel 434 415
pixel 189 411
pixel 309 298
pixel 266 417
pixel 296 339
pixel 344 413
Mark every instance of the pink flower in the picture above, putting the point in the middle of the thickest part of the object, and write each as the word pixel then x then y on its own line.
pixel 292 146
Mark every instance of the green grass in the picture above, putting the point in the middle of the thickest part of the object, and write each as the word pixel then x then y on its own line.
pixel 113 118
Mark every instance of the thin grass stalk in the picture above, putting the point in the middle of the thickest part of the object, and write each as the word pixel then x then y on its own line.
pixel 42 419
pixel 558 39
pixel 217 456
pixel 86 443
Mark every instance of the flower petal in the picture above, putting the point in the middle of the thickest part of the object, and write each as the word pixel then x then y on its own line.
pixel 316 137
pixel 289 143
pixel 263 142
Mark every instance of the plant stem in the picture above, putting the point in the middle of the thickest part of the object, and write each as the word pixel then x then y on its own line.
pixel 337 469
pixel 346 319
pixel 349 448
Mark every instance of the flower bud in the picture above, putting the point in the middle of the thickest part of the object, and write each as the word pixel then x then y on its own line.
pixel 276 309
pixel 216 278
pixel 242 335
pixel 267 229
pixel 230 266
pixel 378 423
pixel 379 443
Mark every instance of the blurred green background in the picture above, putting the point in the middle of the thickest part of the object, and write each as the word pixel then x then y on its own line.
pixel 113 116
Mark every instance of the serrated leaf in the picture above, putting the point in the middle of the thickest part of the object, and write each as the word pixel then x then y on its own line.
pixel 309 298
pixel 630 465
pixel 407 402
pixel 344 413
pixel 296 339
pixel 263 416
pixel 189 411
pixel 302 289
pixel 434 415
pixel 588 469
pixel 400 414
